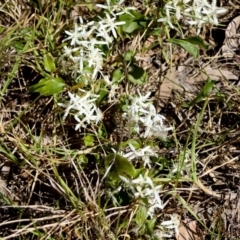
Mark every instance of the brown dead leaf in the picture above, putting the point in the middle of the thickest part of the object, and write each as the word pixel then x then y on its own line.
pixel 189 83
pixel 231 42
pixel 165 90
pixel 217 74
pixel 189 231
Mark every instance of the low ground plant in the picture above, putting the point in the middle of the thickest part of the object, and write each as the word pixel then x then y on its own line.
pixel 99 159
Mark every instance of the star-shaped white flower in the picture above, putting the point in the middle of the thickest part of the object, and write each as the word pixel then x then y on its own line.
pixel 109 24
pixel 74 35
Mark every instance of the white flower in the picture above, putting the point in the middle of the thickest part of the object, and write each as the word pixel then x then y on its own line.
pixel 101 32
pixel 167 19
pixel 143 153
pixel 154 124
pixel 143 187
pixel 85 110
pixel 174 223
pixel 137 107
pixel 126 10
pixel 74 36
pixel 110 7
pixel 141 100
pixel 199 23
pixel 202 3
pixel 212 12
pixel 98 116
pixel 91 43
pixel 80 123
pixel 115 9
pixel 109 24
pixel 132 116
pixel 142 113
pixel 95 60
pixel 155 198
pixel 177 10
pixel 107 80
pixel 67 51
pixel 152 209
pixel 161 235
pixel 84 28
pixel 139 192
pixel 140 180
pixel 73 104
pixel 113 93
pixel 80 59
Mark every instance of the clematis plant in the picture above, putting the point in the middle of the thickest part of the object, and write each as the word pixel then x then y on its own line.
pixel 193 13
pixel 86 48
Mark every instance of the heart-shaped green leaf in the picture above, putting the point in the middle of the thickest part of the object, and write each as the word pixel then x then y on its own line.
pixel 136 74
pixel 117 75
pixel 133 21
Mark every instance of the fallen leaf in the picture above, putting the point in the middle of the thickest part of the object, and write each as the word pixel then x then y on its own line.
pixel 231 42
pixel 189 231
pixel 165 90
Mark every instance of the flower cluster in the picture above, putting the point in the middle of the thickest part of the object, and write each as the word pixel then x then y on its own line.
pixel 143 154
pixel 86 42
pixel 168 228
pixel 143 187
pixel 142 114
pixel 88 38
pixel 116 9
pixel 193 12
pixel 174 223
pixel 84 108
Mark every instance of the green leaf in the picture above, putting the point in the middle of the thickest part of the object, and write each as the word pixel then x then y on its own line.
pixel 48 62
pixel 136 144
pixel 189 47
pixel 129 17
pixel 26 30
pixel 2 29
pixel 150 225
pixel 48 86
pixel 102 94
pixel 141 215
pixel 18 45
pixel 120 166
pixel 196 40
pixel 129 56
pixel 205 91
pixel 117 75
pixel 137 75
pixel 133 22
pixel 82 160
pixel 130 27
pixel 89 140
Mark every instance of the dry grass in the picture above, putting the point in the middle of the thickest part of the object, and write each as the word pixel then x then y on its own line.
pixel 52 186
